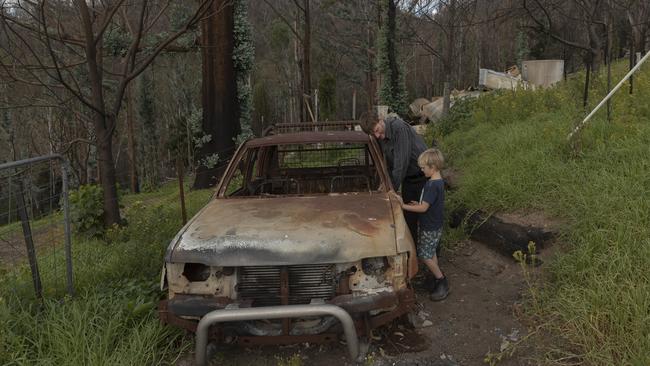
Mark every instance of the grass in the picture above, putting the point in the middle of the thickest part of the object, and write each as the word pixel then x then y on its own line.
pixel 112 320
pixel 513 153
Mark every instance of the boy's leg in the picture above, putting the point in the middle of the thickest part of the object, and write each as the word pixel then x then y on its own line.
pixel 441 289
pixel 432 264
pixel 429 257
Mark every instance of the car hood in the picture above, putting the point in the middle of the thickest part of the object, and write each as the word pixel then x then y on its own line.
pixel 287 230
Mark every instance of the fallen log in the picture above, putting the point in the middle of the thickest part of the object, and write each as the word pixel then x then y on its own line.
pixel 503 237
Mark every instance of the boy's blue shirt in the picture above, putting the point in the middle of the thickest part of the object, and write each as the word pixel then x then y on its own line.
pixel 434 194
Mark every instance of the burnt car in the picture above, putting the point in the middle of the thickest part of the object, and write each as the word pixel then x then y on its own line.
pixel 304 239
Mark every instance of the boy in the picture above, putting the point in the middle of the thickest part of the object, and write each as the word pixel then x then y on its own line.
pixel 430 209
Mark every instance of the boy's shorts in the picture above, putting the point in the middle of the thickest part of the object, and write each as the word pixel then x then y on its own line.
pixel 428 243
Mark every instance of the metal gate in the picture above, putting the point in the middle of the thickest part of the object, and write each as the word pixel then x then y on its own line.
pixel 35 220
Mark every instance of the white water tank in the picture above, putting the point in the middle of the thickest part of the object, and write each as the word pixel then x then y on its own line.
pixel 543 73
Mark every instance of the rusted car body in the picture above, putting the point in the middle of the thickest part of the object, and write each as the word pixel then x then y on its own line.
pixel 298 218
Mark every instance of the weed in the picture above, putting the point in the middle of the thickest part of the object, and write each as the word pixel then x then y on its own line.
pixel 293 360
pixel 112 319
pixel 526 260
pixel 87 211
pixel 512 150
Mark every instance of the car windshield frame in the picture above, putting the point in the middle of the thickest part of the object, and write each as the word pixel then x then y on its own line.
pixel 305 138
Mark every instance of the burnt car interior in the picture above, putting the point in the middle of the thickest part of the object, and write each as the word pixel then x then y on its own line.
pixel 305 169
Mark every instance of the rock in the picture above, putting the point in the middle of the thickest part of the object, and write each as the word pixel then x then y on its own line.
pixel 419 320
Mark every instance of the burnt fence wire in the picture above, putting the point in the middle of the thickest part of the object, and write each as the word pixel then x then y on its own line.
pixel 35 222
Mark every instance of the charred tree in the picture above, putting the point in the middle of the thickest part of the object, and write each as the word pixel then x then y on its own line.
pixel 392 90
pixel 306 55
pixel 505 238
pixel 303 48
pixel 226 97
pixel 590 15
pixel 62 46
pixel 132 144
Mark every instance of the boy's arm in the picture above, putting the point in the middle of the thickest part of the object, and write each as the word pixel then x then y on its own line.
pixel 416 207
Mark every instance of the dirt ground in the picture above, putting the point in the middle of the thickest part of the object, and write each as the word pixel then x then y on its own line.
pixel 470 327
pixel 45 238
pixel 478 318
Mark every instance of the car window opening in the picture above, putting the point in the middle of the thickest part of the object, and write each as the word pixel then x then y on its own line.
pixel 304 169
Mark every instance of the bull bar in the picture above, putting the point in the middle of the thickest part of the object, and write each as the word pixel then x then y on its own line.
pixel 274 312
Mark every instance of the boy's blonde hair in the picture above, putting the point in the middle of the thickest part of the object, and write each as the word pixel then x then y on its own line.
pixel 432 158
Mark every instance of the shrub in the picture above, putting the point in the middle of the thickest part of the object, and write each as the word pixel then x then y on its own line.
pixel 458 117
pixel 87 211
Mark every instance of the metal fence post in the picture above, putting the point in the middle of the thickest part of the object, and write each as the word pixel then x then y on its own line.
pixel 66 224
pixel 21 211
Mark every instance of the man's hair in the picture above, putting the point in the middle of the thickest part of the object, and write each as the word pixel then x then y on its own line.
pixel 432 158
pixel 369 120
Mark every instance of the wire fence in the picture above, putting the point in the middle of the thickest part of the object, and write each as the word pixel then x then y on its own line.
pixel 35 222
pixel 36 230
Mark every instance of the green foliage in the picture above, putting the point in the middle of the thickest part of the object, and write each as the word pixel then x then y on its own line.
pixel 117 41
pixel 327 97
pixel 293 360
pixel 243 63
pixel 392 91
pixel 521 45
pixel 261 100
pixel 87 210
pixel 280 36
pixel 94 329
pixel 513 152
pixel 112 319
pixel 456 119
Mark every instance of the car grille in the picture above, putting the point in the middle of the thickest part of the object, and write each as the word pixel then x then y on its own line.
pixel 305 282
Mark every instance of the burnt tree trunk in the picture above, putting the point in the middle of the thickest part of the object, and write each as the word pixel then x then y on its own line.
pixel 219 92
pixel 130 116
pixel 106 169
pixel 391 47
pixel 306 56
pixel 585 95
pixel 103 122
pixel 298 58
pixel 505 238
pixel 632 62
pixel 371 79
pixel 21 211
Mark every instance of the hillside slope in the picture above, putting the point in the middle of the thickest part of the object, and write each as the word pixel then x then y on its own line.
pixel 512 151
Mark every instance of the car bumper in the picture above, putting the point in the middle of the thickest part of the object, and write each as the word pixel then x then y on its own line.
pixel 185 311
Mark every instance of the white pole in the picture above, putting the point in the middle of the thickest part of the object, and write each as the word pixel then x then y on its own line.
pixel 602 102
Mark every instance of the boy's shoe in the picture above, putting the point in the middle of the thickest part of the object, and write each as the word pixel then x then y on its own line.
pixel 441 290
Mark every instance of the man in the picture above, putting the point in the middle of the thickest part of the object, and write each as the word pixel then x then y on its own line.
pixel 401 147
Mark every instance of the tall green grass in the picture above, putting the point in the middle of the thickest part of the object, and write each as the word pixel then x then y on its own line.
pixel 112 320
pixel 512 150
